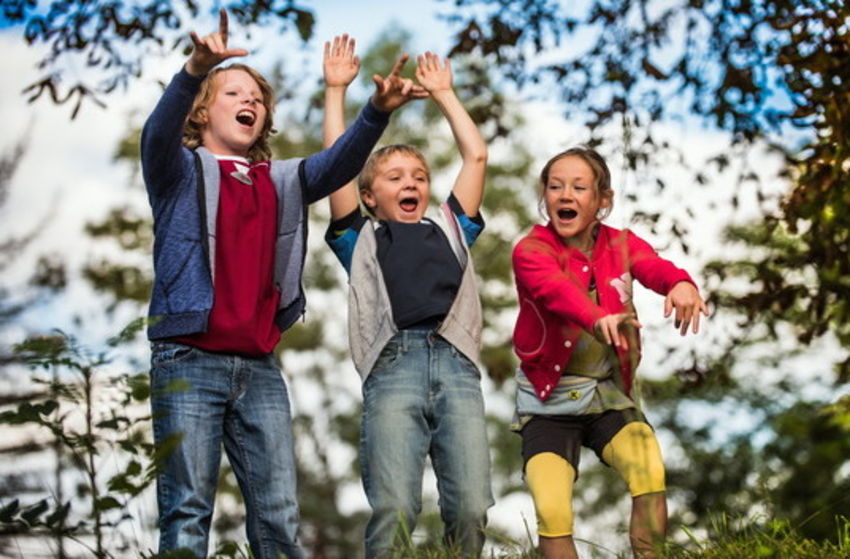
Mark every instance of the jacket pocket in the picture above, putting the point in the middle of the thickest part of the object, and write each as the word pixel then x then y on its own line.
pixel 288 264
pixel 363 304
pixel 530 332
pixel 183 273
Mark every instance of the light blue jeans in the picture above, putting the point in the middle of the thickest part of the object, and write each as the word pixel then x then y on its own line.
pixel 423 398
pixel 200 400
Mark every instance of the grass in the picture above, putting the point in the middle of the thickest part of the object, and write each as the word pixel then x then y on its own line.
pixel 729 539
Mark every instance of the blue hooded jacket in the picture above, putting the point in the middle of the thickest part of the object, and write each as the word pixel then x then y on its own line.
pixel 183 190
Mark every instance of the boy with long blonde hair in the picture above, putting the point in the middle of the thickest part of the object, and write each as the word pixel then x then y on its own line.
pixel 230 239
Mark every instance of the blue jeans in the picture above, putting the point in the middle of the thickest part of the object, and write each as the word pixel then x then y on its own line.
pixel 423 398
pixel 200 400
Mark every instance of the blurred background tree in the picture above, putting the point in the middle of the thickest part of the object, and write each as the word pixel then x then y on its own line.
pixel 770 75
pixel 749 426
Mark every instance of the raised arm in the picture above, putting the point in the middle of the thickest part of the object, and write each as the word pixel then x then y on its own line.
pixel 335 166
pixel 211 50
pixel 161 141
pixel 340 66
pixel 436 77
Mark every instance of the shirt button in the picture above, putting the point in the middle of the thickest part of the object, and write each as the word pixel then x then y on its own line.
pixel 568 343
pixel 557 367
pixel 584 269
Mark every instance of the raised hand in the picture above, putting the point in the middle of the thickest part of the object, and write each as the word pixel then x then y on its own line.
pixel 688 304
pixel 340 65
pixel 433 75
pixel 608 328
pixel 394 91
pixel 211 50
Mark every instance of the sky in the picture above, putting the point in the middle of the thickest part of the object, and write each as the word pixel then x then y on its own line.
pixel 67 176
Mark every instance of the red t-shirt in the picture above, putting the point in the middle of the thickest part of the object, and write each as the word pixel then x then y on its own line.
pixel 245 298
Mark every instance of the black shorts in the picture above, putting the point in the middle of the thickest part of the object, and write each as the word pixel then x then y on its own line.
pixel 564 435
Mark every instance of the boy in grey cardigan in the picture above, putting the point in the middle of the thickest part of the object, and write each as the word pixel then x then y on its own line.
pixel 414 318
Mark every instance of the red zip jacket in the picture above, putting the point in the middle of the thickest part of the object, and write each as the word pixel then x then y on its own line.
pixel 553 281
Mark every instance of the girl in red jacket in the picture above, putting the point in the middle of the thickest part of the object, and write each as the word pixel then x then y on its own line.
pixel 577 340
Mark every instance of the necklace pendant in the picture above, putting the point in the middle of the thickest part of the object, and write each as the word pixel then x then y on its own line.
pixel 242 177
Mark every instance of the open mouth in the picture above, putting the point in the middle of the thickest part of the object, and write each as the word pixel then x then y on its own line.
pixel 567 214
pixel 246 118
pixel 409 204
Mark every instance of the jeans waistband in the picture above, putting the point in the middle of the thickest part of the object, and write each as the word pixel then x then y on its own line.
pixel 418 338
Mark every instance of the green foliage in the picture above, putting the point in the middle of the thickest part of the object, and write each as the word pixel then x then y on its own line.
pixel 49 276
pixel 787 459
pixel 773 539
pixel 87 431
pixel 787 281
pixel 659 60
pixel 406 546
pixel 15 519
pixel 114 37
pixel 121 281
pixel 838 414
pixel 763 72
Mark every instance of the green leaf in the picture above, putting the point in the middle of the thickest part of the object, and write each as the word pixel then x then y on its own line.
pixel 304 21
pixel 32 512
pixel 114 423
pixel 107 503
pixel 7 513
pixel 129 332
pixel 140 387
pixel 58 516
pixel 134 468
pixel 29 413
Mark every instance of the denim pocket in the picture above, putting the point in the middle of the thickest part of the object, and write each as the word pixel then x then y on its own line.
pixel 166 353
pixel 388 356
pixel 466 364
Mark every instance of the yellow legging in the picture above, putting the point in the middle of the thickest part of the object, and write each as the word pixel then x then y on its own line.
pixel 633 452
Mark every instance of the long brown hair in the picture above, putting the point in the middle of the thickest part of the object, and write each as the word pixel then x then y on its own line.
pixel 601 174
pixel 196 120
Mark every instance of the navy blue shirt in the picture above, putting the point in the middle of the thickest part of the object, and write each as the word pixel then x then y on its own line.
pixel 421 272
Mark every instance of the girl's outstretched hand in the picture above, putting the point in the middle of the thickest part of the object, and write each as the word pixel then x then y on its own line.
pixel 433 74
pixel 340 65
pixel 394 91
pixel 688 304
pixel 211 50
pixel 608 328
